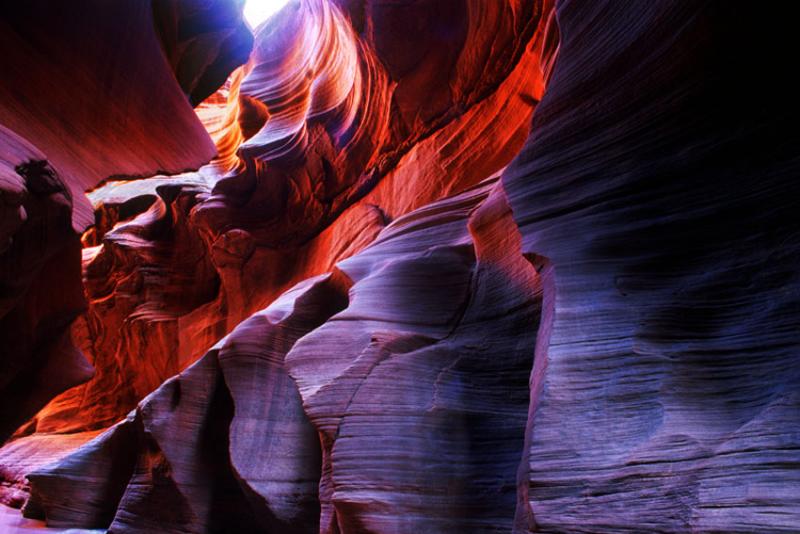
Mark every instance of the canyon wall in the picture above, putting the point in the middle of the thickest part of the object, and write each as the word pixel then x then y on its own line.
pixel 457 266
pixel 660 186
pixel 309 169
pixel 86 93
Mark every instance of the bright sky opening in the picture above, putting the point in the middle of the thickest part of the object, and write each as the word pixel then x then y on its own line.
pixel 257 11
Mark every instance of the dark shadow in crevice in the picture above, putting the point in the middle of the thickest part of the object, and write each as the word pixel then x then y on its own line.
pixel 524 520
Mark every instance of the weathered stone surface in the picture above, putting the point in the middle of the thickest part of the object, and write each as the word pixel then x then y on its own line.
pixel 310 169
pixel 420 387
pixel 603 340
pixel 85 94
pixel 417 392
pixel 203 42
pixel 223 445
pixel 661 189
pixel 26 454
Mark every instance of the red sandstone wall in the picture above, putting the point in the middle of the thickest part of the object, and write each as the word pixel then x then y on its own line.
pixel 392 303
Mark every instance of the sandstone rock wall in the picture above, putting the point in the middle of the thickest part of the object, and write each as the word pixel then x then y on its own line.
pixel 86 93
pixel 658 183
pixel 310 168
pixel 409 331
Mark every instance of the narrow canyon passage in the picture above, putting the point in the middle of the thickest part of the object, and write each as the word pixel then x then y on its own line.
pixel 372 266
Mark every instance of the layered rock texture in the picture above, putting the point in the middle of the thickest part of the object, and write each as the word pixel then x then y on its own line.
pixel 86 93
pixel 443 266
pixel 314 158
pixel 667 399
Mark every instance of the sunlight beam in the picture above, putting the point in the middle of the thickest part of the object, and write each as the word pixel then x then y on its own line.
pixel 257 11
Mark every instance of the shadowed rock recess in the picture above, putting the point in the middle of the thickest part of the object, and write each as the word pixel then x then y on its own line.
pixel 427 266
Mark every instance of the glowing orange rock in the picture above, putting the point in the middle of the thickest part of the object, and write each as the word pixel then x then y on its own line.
pixel 86 93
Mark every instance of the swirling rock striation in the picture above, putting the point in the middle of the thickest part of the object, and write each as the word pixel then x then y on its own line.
pixel 422 405
pixel 86 93
pixel 420 409
pixel 174 263
pixel 343 102
pixel 661 189
pixel 225 444
pixel 602 340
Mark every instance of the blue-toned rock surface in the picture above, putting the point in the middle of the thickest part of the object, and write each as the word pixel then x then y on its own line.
pixel 659 183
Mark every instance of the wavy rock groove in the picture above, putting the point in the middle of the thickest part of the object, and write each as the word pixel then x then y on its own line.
pixel 670 382
pixel 399 267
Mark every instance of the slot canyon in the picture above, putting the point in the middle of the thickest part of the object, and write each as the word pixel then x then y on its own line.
pixel 399 267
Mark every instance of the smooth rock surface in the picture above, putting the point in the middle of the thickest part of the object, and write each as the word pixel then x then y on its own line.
pixel 88 82
pixel 12 521
pixel 40 284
